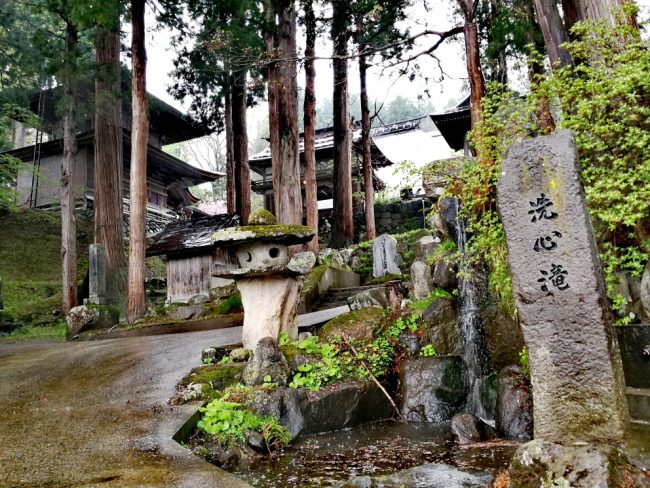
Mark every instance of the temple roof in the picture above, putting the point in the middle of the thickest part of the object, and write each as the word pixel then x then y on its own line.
pixel 324 144
pixel 454 124
pixel 185 236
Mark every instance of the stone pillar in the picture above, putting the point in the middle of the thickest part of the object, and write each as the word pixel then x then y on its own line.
pixel 576 372
pixel 384 256
pixel 96 274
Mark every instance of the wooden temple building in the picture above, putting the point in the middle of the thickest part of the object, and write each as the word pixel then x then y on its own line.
pixel 168 178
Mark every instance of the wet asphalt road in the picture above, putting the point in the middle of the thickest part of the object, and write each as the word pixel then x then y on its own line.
pixel 95 414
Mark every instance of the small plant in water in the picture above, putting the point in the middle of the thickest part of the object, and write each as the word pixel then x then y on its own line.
pixel 428 351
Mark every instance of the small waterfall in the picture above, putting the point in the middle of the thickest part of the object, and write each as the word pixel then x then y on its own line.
pixel 475 353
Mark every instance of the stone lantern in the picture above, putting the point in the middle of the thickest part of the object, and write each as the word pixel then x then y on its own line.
pixel 268 280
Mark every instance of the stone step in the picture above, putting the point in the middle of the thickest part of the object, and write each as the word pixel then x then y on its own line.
pixel 638 401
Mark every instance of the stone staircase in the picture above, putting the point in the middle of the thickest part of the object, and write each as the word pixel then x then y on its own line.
pixel 337 297
pixel 638 402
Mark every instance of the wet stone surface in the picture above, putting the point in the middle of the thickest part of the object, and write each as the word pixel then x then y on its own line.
pixel 375 449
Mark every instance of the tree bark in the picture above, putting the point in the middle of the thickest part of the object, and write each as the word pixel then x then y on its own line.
pixel 136 305
pixel 240 146
pixel 289 208
pixel 273 86
pixel 578 10
pixel 68 223
pixel 342 225
pixel 108 165
pixel 230 148
pixel 369 190
pixel 476 80
pixel 548 17
pixel 311 190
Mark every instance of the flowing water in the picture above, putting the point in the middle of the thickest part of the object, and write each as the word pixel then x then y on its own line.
pixel 371 450
pixel 475 354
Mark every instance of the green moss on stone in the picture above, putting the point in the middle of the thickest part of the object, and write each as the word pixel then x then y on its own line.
pixel 358 324
pixel 383 279
pixel 217 376
pixel 312 280
pixel 289 234
pixel 261 216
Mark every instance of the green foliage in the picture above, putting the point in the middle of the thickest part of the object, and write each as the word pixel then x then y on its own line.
pixel 228 422
pixel 523 361
pixel 229 304
pixel 428 351
pixel 410 323
pixel 437 293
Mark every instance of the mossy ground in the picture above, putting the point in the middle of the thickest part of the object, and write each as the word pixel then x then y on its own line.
pixel 30 265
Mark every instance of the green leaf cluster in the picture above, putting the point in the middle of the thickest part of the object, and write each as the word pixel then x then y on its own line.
pixel 229 423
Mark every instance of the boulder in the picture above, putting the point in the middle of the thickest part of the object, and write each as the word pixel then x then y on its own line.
pixel 644 291
pixel 357 324
pixel 225 291
pixel 442 325
pixel 281 403
pixel 302 262
pixel 433 389
pixel 444 275
pixel 543 463
pixel 425 245
pixel 467 429
pixel 214 354
pixel 433 475
pixel 86 317
pixel 375 297
pixel 412 343
pixel 448 213
pixel 502 334
pixel 421 279
pixel 268 362
pixel 343 405
pixel 188 312
pixel 629 287
pixel 240 355
pixel 199 299
pixel 514 409
pixel 324 254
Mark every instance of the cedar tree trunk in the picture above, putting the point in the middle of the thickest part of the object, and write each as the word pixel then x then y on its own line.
pixel 68 224
pixel 577 10
pixel 311 195
pixel 136 305
pixel 553 31
pixel 369 189
pixel 472 54
pixel 240 146
pixel 230 149
pixel 108 211
pixel 273 86
pixel 342 225
pixel 289 208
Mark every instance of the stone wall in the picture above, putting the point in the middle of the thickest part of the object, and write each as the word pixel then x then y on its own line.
pixel 397 217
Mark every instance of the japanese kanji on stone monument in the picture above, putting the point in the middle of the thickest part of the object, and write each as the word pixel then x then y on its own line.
pixel 576 372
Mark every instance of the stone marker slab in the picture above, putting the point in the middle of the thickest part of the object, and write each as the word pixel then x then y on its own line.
pixel 97 267
pixel 384 256
pixel 576 372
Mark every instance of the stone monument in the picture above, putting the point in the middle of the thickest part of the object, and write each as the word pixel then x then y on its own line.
pixel 96 275
pixel 384 256
pixel 269 282
pixel 576 372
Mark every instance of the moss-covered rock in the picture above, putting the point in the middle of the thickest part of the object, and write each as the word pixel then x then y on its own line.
pixel 218 376
pixel 358 324
pixel 261 216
